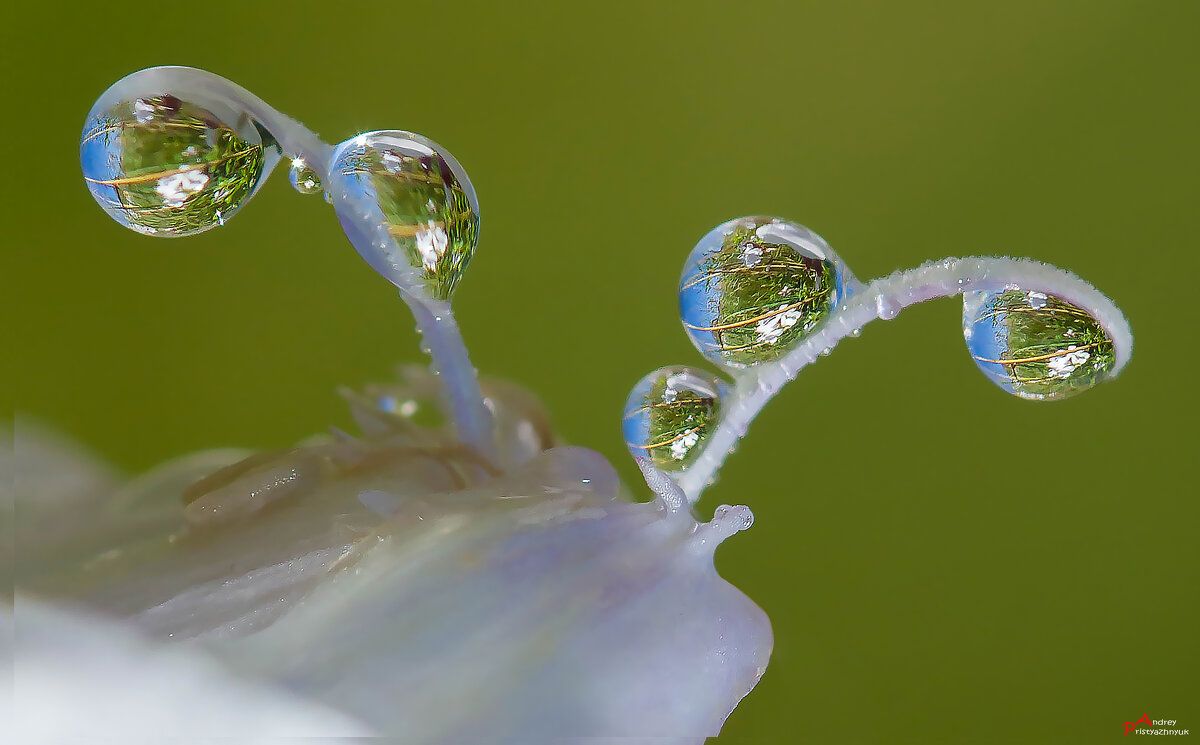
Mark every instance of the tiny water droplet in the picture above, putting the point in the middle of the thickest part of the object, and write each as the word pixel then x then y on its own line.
pixel 856 333
pixel 754 286
pixel 670 414
pixel 1036 345
pixel 304 179
pixel 422 195
pixel 171 162
pixel 826 351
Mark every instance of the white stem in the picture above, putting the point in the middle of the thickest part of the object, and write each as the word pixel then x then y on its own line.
pixel 435 321
pixel 442 339
pixel 884 298
pixel 294 138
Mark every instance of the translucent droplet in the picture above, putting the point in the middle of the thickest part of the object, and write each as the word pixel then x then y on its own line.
pixel 1036 345
pixel 754 286
pixel 422 195
pixel 304 179
pixel 670 414
pixel 171 162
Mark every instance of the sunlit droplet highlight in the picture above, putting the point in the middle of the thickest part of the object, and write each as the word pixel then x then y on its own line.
pixel 303 178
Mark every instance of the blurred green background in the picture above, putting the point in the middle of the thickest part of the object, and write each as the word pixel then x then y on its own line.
pixel 942 562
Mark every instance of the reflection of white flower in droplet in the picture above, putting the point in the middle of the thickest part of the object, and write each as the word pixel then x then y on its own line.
pixel 751 254
pixel 177 187
pixel 391 161
pixel 680 448
pixel 431 242
pixel 1037 300
pixel 143 110
pixel 770 329
pixel 1063 365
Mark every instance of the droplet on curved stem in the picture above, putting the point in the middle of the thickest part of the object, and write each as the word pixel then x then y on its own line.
pixel 172 162
pixel 670 414
pixel 303 178
pixel 754 286
pixel 421 196
pixel 1036 345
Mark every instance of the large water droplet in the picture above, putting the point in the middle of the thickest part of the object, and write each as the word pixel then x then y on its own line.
pixel 754 286
pixel 1036 345
pixel 171 162
pixel 422 195
pixel 304 179
pixel 670 414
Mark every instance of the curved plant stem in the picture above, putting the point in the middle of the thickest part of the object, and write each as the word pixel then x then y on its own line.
pixel 435 321
pixel 293 137
pixel 439 331
pixel 884 298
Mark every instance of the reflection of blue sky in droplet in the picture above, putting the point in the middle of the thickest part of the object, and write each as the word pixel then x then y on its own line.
pixel 989 340
pixel 100 157
pixel 358 191
pixel 699 302
pixel 635 421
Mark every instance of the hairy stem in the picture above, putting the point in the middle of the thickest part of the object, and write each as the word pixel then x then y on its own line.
pixel 435 321
pixel 884 298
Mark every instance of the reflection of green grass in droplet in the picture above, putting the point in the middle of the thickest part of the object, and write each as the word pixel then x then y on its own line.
pixel 173 141
pixel 672 421
pixel 412 195
pixel 782 282
pixel 1040 340
pixel 304 179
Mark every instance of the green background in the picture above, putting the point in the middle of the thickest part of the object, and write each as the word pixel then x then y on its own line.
pixel 941 562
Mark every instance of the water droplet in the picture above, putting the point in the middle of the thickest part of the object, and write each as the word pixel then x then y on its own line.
pixel 754 286
pixel 422 195
pixel 171 162
pixel 1036 345
pixel 304 179
pixel 856 333
pixel 670 414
